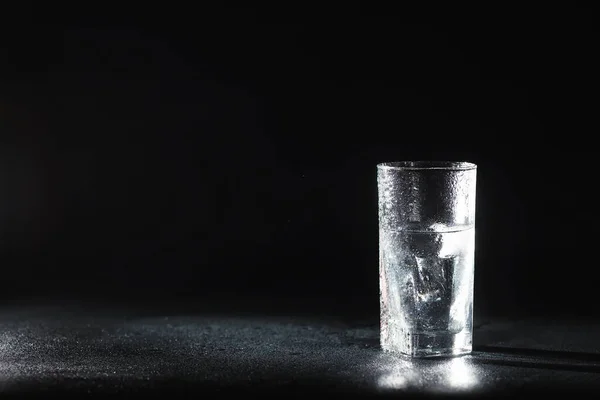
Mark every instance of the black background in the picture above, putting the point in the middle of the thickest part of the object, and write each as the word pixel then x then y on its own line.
pixel 174 154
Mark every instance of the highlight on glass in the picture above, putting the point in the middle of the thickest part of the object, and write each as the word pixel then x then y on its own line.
pixel 426 256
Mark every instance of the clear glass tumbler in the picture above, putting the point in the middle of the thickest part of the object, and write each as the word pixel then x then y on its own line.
pixel 426 256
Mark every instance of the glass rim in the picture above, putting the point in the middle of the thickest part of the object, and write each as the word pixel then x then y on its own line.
pixel 428 165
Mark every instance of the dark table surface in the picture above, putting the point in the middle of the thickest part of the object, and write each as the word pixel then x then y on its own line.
pixel 111 349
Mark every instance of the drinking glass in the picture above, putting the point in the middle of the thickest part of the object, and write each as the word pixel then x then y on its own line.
pixel 426 256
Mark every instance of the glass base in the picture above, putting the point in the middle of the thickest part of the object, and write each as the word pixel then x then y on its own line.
pixel 434 344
